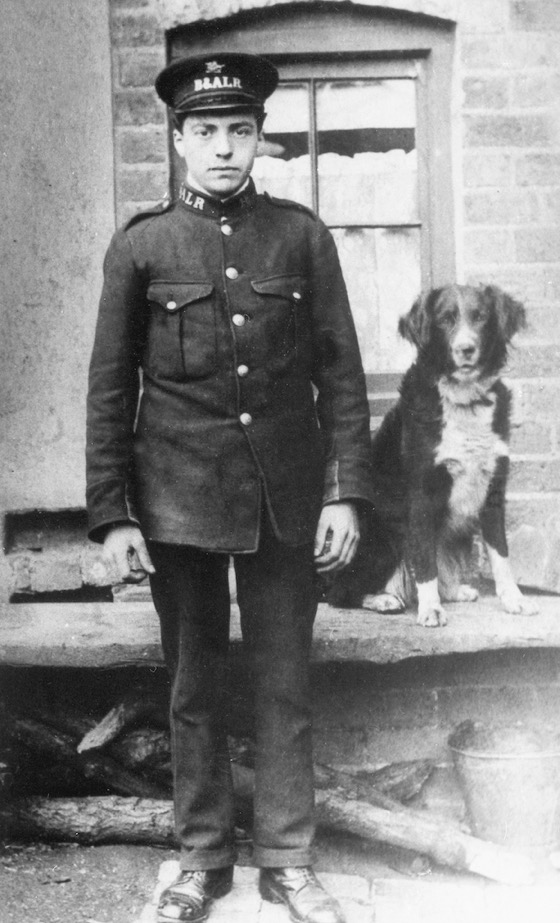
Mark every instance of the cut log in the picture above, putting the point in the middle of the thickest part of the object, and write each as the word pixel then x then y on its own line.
pixel 139 820
pixel 61 748
pixel 400 781
pixel 103 819
pixel 427 834
pixel 135 707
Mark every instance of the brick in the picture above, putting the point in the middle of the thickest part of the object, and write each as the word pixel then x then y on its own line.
pixel 138 185
pixel 549 206
pixel 481 51
pixel 135 29
pixel 488 92
pixel 509 130
pixel 140 68
pixel 538 170
pixel 531 438
pixel 393 746
pixel 543 322
pixel 138 107
pixel 542 50
pixel 482 16
pixel 538 245
pixel 486 246
pixel 487 168
pixel 528 283
pixel 532 510
pixel 130 4
pixel 534 90
pixel 143 146
pixel 535 14
pixel 538 362
pixel 527 476
pixel 501 206
pixel 488 704
pixel 407 708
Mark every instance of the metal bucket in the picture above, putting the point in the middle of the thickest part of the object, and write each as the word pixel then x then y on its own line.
pixel 512 798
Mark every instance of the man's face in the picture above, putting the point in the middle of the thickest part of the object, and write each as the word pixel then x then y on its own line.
pixel 218 150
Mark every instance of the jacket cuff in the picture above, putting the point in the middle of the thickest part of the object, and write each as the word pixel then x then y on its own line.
pixel 108 505
pixel 350 482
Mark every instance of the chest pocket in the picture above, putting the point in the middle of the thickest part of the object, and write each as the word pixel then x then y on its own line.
pixel 181 339
pixel 282 312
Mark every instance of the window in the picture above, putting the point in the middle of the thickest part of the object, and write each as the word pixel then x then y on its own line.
pixel 359 130
pixel 346 146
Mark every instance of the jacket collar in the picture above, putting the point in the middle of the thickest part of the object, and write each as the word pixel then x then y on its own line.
pixel 201 204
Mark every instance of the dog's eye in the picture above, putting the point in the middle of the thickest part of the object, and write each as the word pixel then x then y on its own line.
pixel 477 316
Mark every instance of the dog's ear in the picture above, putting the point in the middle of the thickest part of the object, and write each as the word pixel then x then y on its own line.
pixel 415 326
pixel 509 312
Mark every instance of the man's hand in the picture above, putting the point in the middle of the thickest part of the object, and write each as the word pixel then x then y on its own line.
pixel 337 537
pixel 125 552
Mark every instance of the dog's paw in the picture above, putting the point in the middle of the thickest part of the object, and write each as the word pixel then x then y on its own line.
pixel 466 594
pixel 383 602
pixel 432 616
pixel 514 602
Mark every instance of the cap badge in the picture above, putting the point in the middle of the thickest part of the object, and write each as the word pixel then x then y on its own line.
pixel 212 67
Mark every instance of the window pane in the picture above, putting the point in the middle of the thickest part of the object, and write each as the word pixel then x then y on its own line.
pixel 381 267
pixel 283 167
pixel 367 155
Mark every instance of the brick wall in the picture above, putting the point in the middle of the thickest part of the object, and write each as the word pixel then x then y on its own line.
pixel 510 72
pixel 507 178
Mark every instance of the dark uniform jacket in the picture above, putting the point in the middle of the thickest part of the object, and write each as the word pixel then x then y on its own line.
pixel 251 385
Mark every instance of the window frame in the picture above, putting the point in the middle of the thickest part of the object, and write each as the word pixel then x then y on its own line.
pixel 340 34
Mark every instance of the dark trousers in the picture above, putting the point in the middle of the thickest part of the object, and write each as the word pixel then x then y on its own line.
pixel 277 602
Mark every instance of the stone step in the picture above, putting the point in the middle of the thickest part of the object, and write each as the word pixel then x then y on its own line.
pixel 389 898
pixel 109 634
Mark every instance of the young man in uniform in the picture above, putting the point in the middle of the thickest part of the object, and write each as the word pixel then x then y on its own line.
pixel 250 439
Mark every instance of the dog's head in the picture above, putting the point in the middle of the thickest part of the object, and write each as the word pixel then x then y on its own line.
pixel 461 331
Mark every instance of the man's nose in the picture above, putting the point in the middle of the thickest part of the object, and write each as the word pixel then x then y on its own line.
pixel 223 145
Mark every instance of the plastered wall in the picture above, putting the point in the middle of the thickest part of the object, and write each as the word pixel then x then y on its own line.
pixel 78 78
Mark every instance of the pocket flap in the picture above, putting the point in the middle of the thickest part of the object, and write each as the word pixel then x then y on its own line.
pixel 175 295
pixel 290 287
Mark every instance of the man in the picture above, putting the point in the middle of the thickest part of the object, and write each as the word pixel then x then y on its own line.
pixel 250 439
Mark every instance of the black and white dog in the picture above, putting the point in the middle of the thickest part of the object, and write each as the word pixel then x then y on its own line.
pixel 440 462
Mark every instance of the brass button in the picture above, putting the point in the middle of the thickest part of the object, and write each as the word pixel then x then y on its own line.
pixel 231 272
pixel 246 419
pixel 238 320
pixel 242 370
pixel 227 230
pixel 296 296
pixel 171 305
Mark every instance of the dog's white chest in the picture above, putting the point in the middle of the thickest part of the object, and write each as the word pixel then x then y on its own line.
pixel 469 449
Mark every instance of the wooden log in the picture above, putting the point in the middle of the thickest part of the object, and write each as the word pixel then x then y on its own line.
pixel 135 707
pixel 427 834
pixel 93 820
pixel 146 820
pixel 401 781
pixel 58 747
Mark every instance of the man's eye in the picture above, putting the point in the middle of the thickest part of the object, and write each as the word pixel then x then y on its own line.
pixel 242 132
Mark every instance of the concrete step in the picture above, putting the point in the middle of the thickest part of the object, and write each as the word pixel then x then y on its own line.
pixel 109 634
pixel 389 898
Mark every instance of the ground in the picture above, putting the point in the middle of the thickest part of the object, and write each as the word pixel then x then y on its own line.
pixel 65 883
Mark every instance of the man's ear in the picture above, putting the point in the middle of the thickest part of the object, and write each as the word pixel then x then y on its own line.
pixel 178 142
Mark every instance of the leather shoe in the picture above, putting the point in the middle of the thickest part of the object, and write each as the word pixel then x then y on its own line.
pixel 188 898
pixel 302 893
